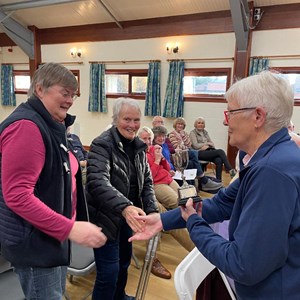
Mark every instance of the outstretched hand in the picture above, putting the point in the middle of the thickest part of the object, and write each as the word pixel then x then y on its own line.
pixel 130 213
pixel 152 225
pixel 191 208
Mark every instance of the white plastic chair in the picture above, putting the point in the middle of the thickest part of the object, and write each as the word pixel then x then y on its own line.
pixel 191 272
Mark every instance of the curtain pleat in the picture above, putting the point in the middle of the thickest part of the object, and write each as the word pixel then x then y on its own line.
pixel 97 97
pixel 153 102
pixel 173 104
pixel 257 65
pixel 8 96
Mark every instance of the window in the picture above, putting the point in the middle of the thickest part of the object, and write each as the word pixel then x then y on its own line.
pixel 126 83
pixel 206 84
pixel 292 74
pixel 22 81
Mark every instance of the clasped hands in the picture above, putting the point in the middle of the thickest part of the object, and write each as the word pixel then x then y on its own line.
pixel 150 225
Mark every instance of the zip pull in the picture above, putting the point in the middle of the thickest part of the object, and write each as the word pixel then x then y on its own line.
pixel 66 168
pixel 63 147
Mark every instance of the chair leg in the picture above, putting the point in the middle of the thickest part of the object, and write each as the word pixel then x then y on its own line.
pixel 136 262
pixel 66 295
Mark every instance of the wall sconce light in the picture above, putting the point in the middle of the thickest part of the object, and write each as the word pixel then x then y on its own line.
pixel 172 49
pixel 76 53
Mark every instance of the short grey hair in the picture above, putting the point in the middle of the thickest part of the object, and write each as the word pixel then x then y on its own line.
pixel 197 120
pixel 147 130
pixel 120 102
pixel 268 90
pixel 159 130
pixel 51 74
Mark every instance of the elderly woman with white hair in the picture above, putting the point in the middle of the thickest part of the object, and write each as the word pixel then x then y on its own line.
pixel 262 253
pixel 119 186
pixel 201 141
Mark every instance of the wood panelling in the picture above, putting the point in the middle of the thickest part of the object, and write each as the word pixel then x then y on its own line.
pixel 217 22
pixel 274 17
pixel 5 41
pixel 280 17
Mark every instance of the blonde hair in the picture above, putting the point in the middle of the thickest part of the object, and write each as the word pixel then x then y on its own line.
pixel 179 120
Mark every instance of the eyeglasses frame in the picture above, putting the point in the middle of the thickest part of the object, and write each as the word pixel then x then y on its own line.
pixel 227 113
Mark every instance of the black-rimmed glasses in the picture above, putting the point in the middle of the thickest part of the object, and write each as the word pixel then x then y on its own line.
pixel 227 113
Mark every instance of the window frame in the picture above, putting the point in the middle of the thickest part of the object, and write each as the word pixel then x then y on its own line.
pixel 27 72
pixel 207 72
pixel 287 70
pixel 131 73
pixel 20 73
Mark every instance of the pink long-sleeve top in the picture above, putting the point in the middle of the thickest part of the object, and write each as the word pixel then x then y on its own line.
pixel 23 157
pixel 160 172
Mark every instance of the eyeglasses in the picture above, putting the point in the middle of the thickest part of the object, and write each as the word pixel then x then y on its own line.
pixel 66 94
pixel 228 113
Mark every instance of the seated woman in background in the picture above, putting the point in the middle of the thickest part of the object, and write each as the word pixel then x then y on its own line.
pixel 201 141
pixel 165 187
pixel 294 136
pixel 181 141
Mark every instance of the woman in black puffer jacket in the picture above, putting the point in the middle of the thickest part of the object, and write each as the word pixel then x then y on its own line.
pixel 119 186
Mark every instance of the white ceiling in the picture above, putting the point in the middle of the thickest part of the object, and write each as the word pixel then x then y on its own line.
pixel 92 12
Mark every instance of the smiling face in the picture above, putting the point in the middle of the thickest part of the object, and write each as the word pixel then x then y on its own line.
pixel 56 99
pixel 159 139
pixel 146 138
pixel 200 124
pixel 129 122
pixel 179 126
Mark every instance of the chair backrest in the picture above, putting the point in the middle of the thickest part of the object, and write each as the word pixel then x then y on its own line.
pixel 10 287
pixel 191 272
pixel 82 260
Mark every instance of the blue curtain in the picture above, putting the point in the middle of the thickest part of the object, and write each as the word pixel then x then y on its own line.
pixel 153 103
pixel 257 65
pixel 97 97
pixel 173 105
pixel 8 96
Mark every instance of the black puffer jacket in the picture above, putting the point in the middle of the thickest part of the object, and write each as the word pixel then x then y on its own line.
pixel 108 181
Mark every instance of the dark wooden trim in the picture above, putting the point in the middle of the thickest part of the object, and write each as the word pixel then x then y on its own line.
pixel 5 41
pixel 274 17
pixel 280 17
pixel 34 63
pixel 133 96
pixel 216 22
pixel 204 98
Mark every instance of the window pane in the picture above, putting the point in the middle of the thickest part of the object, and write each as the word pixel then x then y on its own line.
pixel 22 82
pixel 294 80
pixel 208 85
pixel 139 84
pixel 116 83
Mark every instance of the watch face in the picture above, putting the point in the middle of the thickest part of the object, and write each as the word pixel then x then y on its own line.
pixel 187 192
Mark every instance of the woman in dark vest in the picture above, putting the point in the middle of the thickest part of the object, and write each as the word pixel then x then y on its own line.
pixel 42 204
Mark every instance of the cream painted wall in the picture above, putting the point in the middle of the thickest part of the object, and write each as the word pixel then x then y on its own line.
pixel 205 46
pixel 89 125
pixel 279 42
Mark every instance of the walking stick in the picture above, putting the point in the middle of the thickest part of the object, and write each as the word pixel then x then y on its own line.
pixel 144 278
